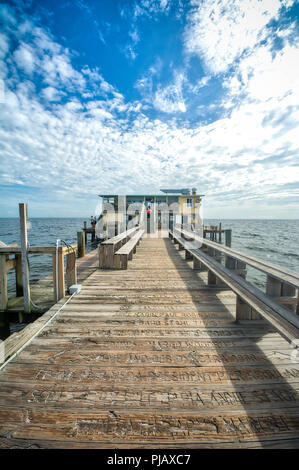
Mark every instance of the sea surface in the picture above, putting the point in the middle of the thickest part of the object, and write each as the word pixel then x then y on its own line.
pixel 276 241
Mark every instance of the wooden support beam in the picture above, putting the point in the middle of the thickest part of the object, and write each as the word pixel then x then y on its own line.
pixel 228 237
pixel 212 279
pixel 241 268
pixel 25 268
pixel 85 232
pixel 230 263
pixel 10 264
pixel 289 291
pixel 273 287
pixel 19 279
pixel 81 244
pixel 121 261
pixel 196 263
pixel 243 310
pixel 71 269
pixel 3 282
pixel 58 276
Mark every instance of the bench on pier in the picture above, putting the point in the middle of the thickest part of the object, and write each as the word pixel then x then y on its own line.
pixel 125 253
pixel 108 248
pixel 281 282
pixel 252 303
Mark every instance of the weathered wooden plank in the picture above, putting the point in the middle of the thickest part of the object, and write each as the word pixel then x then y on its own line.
pixel 159 427
pixel 148 344
pixel 139 375
pixel 219 398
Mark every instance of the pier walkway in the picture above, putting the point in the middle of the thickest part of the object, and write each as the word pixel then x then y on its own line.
pixel 151 356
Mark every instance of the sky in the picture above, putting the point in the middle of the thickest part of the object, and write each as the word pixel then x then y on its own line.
pixel 125 97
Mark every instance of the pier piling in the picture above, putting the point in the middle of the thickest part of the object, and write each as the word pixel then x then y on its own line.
pixel 81 244
pixel 24 260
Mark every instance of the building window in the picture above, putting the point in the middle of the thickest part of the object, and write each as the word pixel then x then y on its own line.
pixel 189 202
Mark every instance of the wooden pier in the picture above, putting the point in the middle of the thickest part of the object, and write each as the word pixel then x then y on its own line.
pixel 149 357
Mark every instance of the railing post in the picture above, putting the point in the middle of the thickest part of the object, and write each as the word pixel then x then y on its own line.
pixel 243 310
pixel 3 283
pixel 58 275
pixel 196 263
pixel 279 289
pixel 85 231
pixel 24 246
pixel 228 237
pixel 241 266
pixel 81 244
pixel 19 280
pixel 71 269
pixel 273 287
pixel 212 279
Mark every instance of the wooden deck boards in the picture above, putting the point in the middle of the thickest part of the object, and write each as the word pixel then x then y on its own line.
pixel 151 357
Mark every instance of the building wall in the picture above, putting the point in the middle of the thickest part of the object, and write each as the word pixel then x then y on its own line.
pixel 184 209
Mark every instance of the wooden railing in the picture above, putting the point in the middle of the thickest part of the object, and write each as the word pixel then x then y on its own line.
pixel 252 303
pixel 58 269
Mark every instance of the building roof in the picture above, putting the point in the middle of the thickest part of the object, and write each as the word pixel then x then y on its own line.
pixel 150 195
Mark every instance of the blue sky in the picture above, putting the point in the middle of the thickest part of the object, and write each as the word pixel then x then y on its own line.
pixel 126 96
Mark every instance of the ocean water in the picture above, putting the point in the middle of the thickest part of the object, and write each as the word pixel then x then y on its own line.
pixel 41 232
pixel 276 241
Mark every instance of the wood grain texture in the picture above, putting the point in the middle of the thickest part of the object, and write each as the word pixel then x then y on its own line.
pixel 151 357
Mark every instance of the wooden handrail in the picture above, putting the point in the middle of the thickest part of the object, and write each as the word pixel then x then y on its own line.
pixel 278 272
pixel 11 250
pixel 7 264
pixel 280 317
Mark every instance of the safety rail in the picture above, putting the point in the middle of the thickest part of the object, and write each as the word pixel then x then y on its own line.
pixel 58 269
pixel 251 302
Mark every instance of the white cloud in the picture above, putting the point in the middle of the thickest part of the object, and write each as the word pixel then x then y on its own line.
pixel 51 94
pixel 24 58
pixel 219 32
pixel 4 46
pixel 266 77
pixel 169 98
